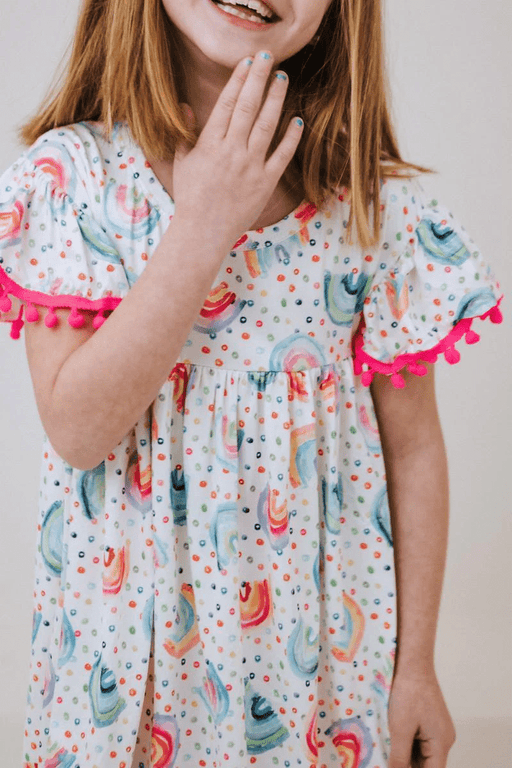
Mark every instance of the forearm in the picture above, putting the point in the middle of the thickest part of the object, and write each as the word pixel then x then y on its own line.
pixel 418 491
pixel 107 384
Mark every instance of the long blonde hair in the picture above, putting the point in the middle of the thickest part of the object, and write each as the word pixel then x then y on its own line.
pixel 125 65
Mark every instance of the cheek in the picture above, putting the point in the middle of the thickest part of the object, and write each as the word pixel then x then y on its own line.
pixel 168 8
pixel 307 33
pixel 177 10
pixel 181 14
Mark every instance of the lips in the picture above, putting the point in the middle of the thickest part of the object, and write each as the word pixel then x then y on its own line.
pixel 271 8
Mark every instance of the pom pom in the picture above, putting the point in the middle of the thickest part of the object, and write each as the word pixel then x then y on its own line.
pixel 99 319
pixel 446 346
pixel 16 327
pixel 75 319
pixel 51 318
pixel 367 378
pixel 31 314
pixel 417 369
pixel 398 381
pixel 452 355
pixel 496 315
pixel 472 337
pixel 5 303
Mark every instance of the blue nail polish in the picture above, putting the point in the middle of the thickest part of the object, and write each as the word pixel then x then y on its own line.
pixel 265 55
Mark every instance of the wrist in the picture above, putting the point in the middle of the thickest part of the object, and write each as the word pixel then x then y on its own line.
pixel 191 229
pixel 414 664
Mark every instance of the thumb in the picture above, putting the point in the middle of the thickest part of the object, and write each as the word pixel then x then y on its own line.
pixel 189 117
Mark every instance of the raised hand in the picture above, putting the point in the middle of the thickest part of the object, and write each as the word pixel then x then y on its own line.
pixel 225 181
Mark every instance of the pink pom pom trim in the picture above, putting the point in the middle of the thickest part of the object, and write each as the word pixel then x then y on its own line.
pixel 31 298
pixel 412 361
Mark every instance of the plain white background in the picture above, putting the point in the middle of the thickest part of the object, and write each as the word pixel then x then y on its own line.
pixel 451 74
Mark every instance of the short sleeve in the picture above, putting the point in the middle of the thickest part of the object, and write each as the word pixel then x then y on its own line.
pixel 53 250
pixel 431 282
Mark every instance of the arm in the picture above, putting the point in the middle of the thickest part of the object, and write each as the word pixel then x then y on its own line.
pixel 90 398
pixel 418 491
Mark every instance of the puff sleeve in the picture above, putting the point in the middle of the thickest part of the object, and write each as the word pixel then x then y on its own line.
pixel 53 250
pixel 431 282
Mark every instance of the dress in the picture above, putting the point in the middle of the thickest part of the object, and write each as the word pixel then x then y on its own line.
pixel 234 551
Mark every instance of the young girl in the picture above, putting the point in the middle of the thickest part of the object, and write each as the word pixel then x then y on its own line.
pixel 237 394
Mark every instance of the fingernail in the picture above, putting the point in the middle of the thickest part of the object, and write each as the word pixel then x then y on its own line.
pixel 265 55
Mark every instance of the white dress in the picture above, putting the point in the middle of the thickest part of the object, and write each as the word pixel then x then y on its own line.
pixel 220 590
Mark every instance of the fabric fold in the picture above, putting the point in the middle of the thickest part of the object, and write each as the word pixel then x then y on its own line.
pixel 431 283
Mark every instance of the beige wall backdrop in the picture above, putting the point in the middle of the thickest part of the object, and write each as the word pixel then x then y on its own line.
pixel 450 68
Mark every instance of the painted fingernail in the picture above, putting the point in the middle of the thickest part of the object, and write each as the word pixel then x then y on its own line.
pixel 249 61
pixel 265 55
pixel 299 121
pixel 281 76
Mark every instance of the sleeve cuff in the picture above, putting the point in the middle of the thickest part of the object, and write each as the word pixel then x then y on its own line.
pixel 413 361
pixel 33 298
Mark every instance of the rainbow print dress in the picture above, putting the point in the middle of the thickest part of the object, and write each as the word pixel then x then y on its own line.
pixel 220 590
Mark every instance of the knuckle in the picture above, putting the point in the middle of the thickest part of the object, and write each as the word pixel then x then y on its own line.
pixel 284 152
pixel 265 125
pixel 246 106
pixel 261 74
pixel 229 102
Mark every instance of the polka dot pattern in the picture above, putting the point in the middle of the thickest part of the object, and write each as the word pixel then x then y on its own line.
pixel 220 590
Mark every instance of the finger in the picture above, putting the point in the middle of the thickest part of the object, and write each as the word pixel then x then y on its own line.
pixel 401 749
pixel 283 155
pixel 220 117
pixel 431 756
pixel 249 101
pixel 268 119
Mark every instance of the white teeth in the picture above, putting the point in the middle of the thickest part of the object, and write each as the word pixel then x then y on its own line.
pixel 256 5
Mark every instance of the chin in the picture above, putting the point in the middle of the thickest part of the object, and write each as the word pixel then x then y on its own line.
pixel 221 50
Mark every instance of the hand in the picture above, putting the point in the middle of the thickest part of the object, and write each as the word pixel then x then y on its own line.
pixel 224 182
pixel 417 711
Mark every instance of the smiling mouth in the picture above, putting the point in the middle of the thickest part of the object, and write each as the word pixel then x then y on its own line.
pixel 244 12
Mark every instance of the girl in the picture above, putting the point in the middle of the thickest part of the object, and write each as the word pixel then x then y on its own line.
pixel 237 393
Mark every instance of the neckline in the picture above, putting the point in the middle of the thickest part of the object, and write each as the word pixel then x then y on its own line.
pixel 298 218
